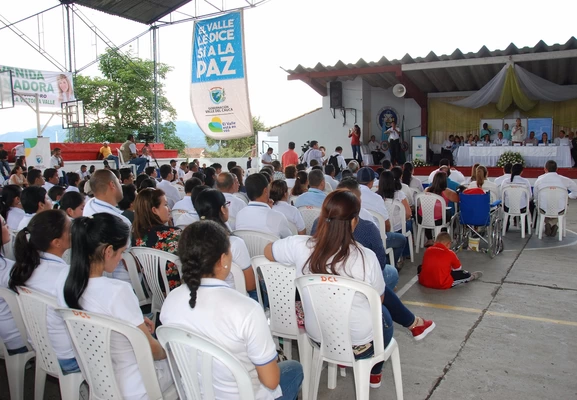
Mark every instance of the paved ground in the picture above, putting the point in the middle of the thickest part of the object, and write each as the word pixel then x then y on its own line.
pixel 508 336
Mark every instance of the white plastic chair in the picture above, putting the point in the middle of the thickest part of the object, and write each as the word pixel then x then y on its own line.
pixel 366 155
pixel 293 228
pixel 241 196
pixel 331 298
pixel 328 187
pixel 123 164
pixel 255 241
pixel 153 264
pixel 554 196
pixel 309 214
pixel 292 200
pixel 91 335
pixel 427 202
pixel 15 364
pixel 383 232
pixel 135 279
pixel 279 281
pixel 512 195
pixel 397 207
pixel 34 306
pixel 176 214
pixel 8 248
pixel 238 277
pixel 191 358
pixel 251 171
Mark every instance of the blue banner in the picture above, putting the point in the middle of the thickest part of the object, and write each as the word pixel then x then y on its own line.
pixel 217 52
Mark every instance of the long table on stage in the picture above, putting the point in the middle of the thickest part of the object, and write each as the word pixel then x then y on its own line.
pixel 535 156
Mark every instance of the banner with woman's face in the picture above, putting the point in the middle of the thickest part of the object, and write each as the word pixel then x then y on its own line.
pixel 52 88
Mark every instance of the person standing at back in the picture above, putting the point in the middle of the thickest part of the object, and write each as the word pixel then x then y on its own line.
pixel 290 157
pixel 130 154
pixel 355 135
pixel 266 158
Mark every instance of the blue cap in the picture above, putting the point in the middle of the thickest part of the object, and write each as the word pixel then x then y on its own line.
pixel 365 175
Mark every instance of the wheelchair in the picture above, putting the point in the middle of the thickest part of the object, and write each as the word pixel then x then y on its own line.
pixel 479 218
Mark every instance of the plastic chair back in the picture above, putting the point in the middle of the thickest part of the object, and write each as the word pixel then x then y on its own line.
pixel 8 248
pixel 512 196
pixel 153 263
pixel 238 277
pixel 11 300
pixel 176 214
pixel 475 209
pixel 382 228
pixel 279 281
pixel 241 196
pixel 309 214
pixel 426 202
pixel 255 241
pixel 135 279
pixel 331 298
pixel 91 333
pixel 556 199
pixel 328 187
pixel 120 158
pixel 293 228
pixel 191 358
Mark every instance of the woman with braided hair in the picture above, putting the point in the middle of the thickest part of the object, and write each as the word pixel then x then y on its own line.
pixel 207 306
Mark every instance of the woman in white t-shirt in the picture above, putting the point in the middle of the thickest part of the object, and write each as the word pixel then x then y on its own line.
pixel 97 245
pixel 408 178
pixel 207 306
pixel 9 333
pixel 333 250
pixel 279 195
pixel 517 180
pixel 11 206
pixel 211 204
pixel 38 249
pixel 482 181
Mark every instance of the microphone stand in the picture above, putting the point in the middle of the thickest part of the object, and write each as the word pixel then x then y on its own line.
pixel 146 144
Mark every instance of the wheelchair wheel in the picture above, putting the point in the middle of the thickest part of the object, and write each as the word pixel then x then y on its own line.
pixel 496 238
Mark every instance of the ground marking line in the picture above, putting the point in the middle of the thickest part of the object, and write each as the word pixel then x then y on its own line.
pixel 493 313
pixel 407 286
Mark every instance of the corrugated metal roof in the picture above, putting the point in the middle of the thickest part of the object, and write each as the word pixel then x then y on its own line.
pixel 143 11
pixel 556 63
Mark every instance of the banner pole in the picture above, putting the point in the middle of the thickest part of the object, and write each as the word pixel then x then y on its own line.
pixel 37 110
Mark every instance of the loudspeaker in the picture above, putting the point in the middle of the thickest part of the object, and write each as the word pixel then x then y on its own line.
pixel 336 94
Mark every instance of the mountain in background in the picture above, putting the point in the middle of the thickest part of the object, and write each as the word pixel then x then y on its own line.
pixel 188 131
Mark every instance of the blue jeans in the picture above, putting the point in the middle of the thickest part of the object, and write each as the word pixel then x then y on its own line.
pixel 397 242
pixel 69 366
pixel 387 336
pixel 115 158
pixel 5 169
pixel 140 164
pixel 357 152
pixel 391 276
pixel 291 378
pixel 19 350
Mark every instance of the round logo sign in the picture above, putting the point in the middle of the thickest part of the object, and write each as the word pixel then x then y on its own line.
pixel 386 116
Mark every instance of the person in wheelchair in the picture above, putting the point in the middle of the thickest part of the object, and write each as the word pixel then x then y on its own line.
pixel 441 268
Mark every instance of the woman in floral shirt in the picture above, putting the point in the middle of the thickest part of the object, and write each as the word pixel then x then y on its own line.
pixel 151 213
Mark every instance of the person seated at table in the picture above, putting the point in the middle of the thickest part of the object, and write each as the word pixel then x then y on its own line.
pixel 482 181
pixel 476 138
pixel 485 131
pixel 458 143
pixel 561 140
pixel 544 139
pixel 440 188
pixel 501 141
pixel 486 140
pixel 532 140
pixel 447 148
pixel 471 140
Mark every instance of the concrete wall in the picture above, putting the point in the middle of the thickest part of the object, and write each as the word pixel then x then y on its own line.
pixel 330 132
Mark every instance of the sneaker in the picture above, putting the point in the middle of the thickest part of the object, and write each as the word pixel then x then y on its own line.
pixel 376 380
pixel 548 229
pixel 554 230
pixel 420 332
pixel 476 275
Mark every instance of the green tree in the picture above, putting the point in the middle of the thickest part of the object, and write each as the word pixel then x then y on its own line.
pixel 122 101
pixel 236 147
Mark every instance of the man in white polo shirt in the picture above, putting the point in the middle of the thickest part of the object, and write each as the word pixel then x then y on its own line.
pixel 171 192
pixel 107 193
pixel 258 215
pixel 227 183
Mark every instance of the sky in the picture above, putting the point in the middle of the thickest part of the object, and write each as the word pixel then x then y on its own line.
pixel 285 33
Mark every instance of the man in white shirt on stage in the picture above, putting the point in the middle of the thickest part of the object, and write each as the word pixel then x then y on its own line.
pixel 447 149
pixel 266 158
pixel 552 178
pixel 375 149
pixel 228 184
pixel 258 215
pixel 394 143
pixel 561 140
pixel 501 141
pixel 171 192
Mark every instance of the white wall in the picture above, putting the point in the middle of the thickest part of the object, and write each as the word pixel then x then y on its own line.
pixel 330 132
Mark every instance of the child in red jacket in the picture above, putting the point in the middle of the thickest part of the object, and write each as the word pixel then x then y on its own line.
pixel 441 268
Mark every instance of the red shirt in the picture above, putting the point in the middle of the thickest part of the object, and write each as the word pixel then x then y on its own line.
pixel 438 262
pixel 289 157
pixel 355 139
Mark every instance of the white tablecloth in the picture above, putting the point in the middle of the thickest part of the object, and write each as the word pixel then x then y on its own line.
pixel 535 156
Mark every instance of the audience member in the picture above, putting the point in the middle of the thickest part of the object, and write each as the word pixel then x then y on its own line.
pixel 441 268
pixel 186 204
pixel 230 165
pixel 473 174
pixel 301 167
pixel 147 183
pixel 482 181
pixel 457 176
pixel 4 166
pixel 50 178
pixel 353 166
pixel 279 196
pixel 506 174
pixel 210 177
pixel 387 165
pixel 192 168
pixel 516 179
pixel 126 176
pixel 73 181
pixel 83 172
pixel 259 216
pixel 11 206
pixel 17 177
pixel 278 174
pixel 182 170
pixel 409 179
pixel 227 183
pixel 239 173
pixel 438 187
pixel 191 216
pixel 126 205
pixel 330 176
pixel 301 184
pixel 290 172
pixel 57 163
pixel 151 172
pixel 55 193
pixel 171 192
pixel 72 203
pixel 34 200
pixel 315 195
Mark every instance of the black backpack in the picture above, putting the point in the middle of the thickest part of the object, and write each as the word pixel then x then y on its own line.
pixel 335 163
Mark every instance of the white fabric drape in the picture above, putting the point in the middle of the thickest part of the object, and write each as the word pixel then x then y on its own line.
pixel 537 88
pixel 489 93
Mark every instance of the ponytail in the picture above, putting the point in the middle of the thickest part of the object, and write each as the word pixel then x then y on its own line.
pixel 480 175
pixel 199 255
pixel 397 173
pixel 407 175
pixel 37 237
pixel 90 238
pixel 516 171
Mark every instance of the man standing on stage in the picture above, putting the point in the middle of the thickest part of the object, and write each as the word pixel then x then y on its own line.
pixel 394 143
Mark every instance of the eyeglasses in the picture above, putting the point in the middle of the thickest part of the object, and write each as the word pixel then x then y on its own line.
pixel 226 204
